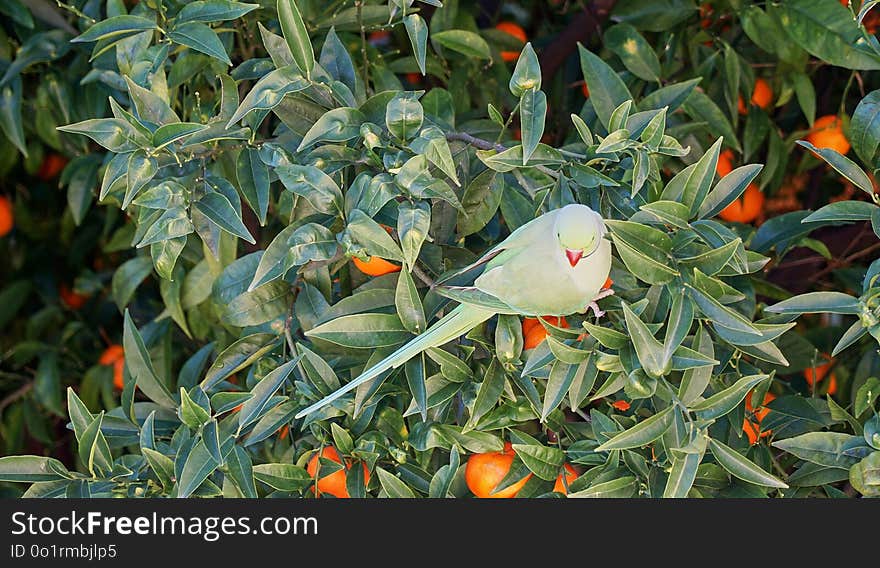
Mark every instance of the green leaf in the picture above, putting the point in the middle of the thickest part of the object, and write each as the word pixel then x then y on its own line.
pixel 533 112
pixel 413 224
pixel 864 128
pixel 414 370
pixel 843 211
pixel 253 179
pixel 261 305
pixel 269 91
pixel 213 11
pixel 828 31
pixel 297 36
pixel 720 314
pixel 726 400
pixel 31 469
pixel 404 115
pixel 170 133
pixel 464 42
pixel 94 452
pixel 742 468
pixel 728 190
pixel 409 305
pixel 375 240
pixel 619 488
pixel 10 115
pixel 362 331
pixel 703 109
pixel 817 302
pixel 218 209
pixel 634 50
pixel 337 125
pixel 115 27
pixel 201 38
pixel 141 169
pixel 806 96
pixel 198 466
pixel 559 381
pixel 644 250
pixel 489 393
pixel 139 364
pixel 649 350
pixel 282 476
pixel 161 465
pixel 393 486
pixel 255 407
pixel 844 166
pixel 607 89
pixel 543 461
pixel 114 134
pixel 642 433
pixel 831 449
pixel 527 73
pixel 312 184
pixel 682 475
pixel 480 202
pixel 417 30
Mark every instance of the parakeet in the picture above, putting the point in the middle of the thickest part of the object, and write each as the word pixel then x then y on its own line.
pixel 555 264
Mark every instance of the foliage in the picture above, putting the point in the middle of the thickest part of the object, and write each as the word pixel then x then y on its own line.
pixel 229 160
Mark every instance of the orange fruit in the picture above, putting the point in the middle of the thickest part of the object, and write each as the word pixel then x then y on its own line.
pixel 70 298
pixel 114 355
pixel 827 132
pixel 745 209
pixel 484 471
pixel 762 96
pixel 51 166
pixel 534 333
pixel 725 163
pixel 570 475
pixel 7 219
pixel 818 373
pixel 283 432
pixel 375 266
pixel 516 31
pixel 379 37
pixel 413 78
pixel 608 283
pixel 621 405
pixel 752 421
pixel 585 90
pixel 706 12
pixel 333 484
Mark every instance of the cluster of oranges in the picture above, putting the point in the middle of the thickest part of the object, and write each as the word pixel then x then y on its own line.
pixel 485 471
pixel 335 483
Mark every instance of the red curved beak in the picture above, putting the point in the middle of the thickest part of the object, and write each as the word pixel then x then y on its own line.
pixel 574 256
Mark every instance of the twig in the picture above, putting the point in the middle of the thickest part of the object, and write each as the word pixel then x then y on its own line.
pixel 16 394
pixel 421 275
pixel 475 142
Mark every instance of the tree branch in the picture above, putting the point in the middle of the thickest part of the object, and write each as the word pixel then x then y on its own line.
pixel 580 29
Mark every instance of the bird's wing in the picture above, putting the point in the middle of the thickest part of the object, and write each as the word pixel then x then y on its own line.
pixel 458 321
pixel 518 239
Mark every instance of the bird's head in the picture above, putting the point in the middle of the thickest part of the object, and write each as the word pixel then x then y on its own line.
pixel 579 231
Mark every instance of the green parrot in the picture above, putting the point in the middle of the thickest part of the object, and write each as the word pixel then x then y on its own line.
pixel 554 265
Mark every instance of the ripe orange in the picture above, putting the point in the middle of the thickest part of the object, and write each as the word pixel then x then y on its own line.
pixel 333 484
pixel 608 283
pixel 621 405
pixel 413 79
pixel 706 12
pixel 745 209
pixel 752 422
pixel 516 31
pixel 585 90
pixel 570 475
pixel 375 266
pixel 51 166
pixel 762 96
pixel 534 333
pixel 827 132
pixel 70 298
pixel 484 471
pixel 7 219
pixel 114 355
pixel 818 373
pixel 379 38
pixel 725 163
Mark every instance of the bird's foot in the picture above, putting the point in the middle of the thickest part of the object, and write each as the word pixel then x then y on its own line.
pixel 593 305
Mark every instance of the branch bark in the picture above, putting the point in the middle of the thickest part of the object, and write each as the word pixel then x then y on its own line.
pixel 580 29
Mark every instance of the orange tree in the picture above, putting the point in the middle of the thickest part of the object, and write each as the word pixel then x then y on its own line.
pixel 260 200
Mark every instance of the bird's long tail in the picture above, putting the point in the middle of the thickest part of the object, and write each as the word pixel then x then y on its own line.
pixel 457 322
